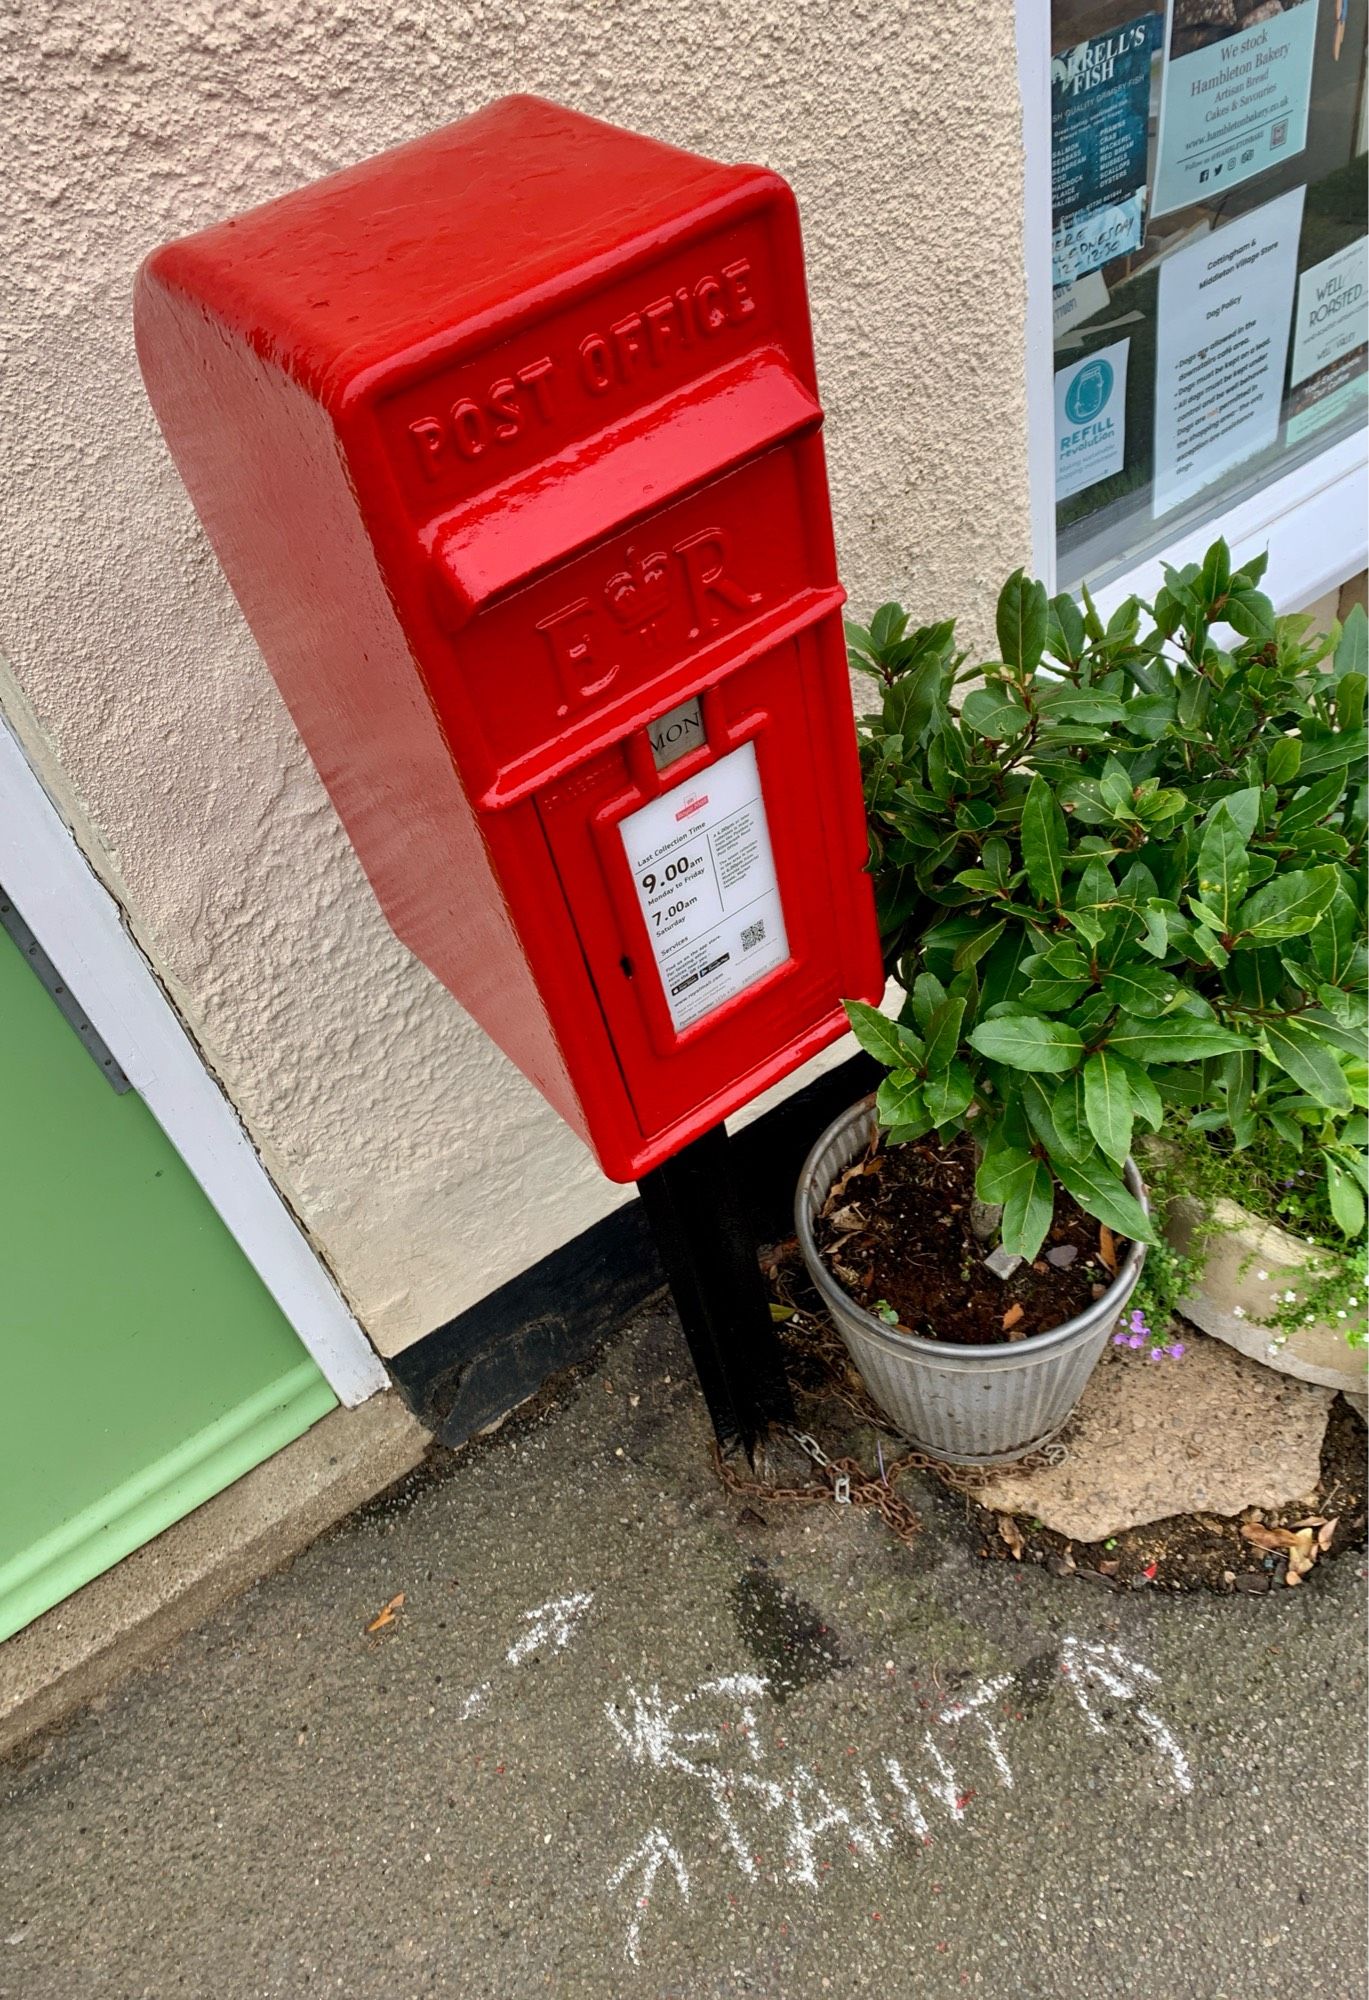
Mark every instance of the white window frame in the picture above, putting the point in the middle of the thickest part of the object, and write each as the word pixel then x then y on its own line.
pixel 1312 520
pixel 80 928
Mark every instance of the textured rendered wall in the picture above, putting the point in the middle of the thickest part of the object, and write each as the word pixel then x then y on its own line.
pixel 427 1171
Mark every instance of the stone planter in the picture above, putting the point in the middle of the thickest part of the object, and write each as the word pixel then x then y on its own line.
pixel 1236 1251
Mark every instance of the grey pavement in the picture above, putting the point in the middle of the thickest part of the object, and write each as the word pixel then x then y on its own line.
pixel 625 1738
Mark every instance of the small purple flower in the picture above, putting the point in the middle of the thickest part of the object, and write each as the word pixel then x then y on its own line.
pixel 1157 1353
pixel 1178 1350
pixel 1135 1340
pixel 1119 1340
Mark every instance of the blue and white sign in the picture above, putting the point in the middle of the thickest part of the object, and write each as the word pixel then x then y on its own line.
pixel 1100 97
pixel 1234 105
pixel 1090 419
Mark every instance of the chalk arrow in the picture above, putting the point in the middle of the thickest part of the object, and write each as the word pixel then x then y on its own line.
pixel 653 1851
pixel 552 1625
pixel 1083 1661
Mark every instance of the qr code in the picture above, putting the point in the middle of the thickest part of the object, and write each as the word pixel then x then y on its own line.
pixel 753 934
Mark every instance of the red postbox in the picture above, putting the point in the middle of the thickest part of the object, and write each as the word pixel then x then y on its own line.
pixel 509 444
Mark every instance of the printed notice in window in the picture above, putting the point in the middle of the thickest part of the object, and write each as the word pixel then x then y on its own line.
pixel 1226 305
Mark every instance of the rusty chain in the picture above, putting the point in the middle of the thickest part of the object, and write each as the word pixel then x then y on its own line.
pixel 845 1481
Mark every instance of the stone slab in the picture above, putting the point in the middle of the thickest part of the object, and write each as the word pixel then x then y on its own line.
pixel 1212 1433
pixel 119 1620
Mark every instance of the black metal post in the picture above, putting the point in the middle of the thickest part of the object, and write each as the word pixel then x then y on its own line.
pixel 700 1224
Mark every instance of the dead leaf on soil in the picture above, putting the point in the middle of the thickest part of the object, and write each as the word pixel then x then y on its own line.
pixel 1107 1247
pixel 1298 1544
pixel 1011 1317
pixel 847 1220
pixel 779 1314
pixel 1011 1534
pixel 386 1614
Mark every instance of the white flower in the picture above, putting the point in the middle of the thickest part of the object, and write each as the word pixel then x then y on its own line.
pixel 1289 1297
pixel 1262 1275
pixel 1352 1302
pixel 1340 1315
pixel 1238 1312
pixel 1272 1348
pixel 1308 1319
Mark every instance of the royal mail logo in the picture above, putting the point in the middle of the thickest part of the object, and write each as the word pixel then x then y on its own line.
pixel 691 806
pixel 687 591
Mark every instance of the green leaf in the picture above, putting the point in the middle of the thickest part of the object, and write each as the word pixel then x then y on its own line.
pixel 1045 839
pixel 1027 1209
pixel 998 1167
pixel 1333 941
pixel 1067 1111
pixel 995 713
pixel 1281 763
pixel 1176 1038
pixel 1149 716
pixel 1106 1197
pixel 1313 805
pixel 888 625
pixel 1107 1104
pixel 1145 1098
pixel 1023 610
pixel 1216 573
pixel 974 948
pixel 1287 906
pixel 1347 1201
pixel 1250 613
pixel 1352 650
pixel 1030 1042
pixel 1065 634
pixel 1300 1050
pixel 1116 789
pixel 1328 753
pixel 926 996
pixel 943 1035
pixel 1142 990
pixel 881 1037
pixel 1060 701
pixel 899 1101
pixel 949 1093
pixel 1223 865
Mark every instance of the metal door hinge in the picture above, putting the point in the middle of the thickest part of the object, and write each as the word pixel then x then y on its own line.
pixel 71 1009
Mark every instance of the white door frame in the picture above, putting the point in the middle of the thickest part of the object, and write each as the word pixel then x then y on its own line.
pixel 79 926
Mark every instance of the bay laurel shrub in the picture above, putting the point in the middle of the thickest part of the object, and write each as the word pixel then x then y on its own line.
pixel 1120 881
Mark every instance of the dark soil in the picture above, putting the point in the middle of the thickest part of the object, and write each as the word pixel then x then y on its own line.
pixel 1202 1551
pixel 896 1232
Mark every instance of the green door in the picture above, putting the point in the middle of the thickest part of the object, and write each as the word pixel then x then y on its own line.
pixel 145 1365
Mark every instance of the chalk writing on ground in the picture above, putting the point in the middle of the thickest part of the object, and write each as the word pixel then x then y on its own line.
pixel 551 1627
pixel 712 1738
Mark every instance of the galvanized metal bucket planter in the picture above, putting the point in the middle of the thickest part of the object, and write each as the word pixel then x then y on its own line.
pixel 966 1405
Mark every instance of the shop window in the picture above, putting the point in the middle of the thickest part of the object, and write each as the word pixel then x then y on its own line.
pixel 1208 282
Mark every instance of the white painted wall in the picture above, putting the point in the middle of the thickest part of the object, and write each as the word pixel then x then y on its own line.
pixel 425 1170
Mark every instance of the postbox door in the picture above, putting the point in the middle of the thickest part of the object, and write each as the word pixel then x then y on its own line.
pixel 741 942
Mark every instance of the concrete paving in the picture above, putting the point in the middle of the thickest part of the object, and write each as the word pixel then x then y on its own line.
pixel 626 1737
